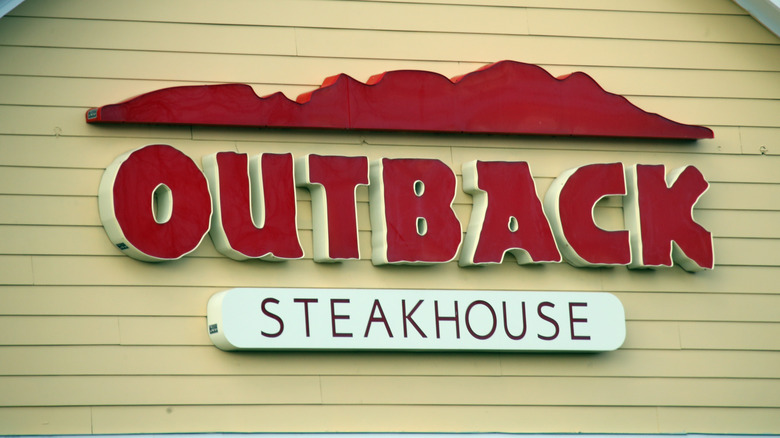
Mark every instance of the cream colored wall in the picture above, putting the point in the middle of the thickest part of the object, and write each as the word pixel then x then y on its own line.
pixel 92 341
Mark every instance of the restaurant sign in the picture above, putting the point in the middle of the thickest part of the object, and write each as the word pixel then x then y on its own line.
pixel 382 319
pixel 157 204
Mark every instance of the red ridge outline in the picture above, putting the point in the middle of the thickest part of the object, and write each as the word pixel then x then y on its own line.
pixel 506 97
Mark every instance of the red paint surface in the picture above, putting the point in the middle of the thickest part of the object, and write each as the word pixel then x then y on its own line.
pixel 583 189
pixel 403 207
pixel 506 97
pixel 339 177
pixel 277 235
pixel 511 193
pixel 665 215
pixel 136 180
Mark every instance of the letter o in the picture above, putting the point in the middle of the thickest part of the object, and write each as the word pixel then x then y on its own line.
pixel 128 205
pixel 492 313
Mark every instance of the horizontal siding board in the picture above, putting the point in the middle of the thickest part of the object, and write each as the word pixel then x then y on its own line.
pixel 403 390
pixel 658 335
pixel 436 419
pixel 710 111
pixel 759 141
pixel 153 330
pixel 550 391
pixel 750 252
pixel 378 418
pixel 536 49
pixel 718 222
pixel 46 420
pixel 207 360
pixel 58 330
pixel 650 26
pixel 49 181
pixel 648 363
pixel 16 269
pixel 54 122
pixel 123 35
pixel 738 196
pixel 105 300
pixel 306 13
pixel 145 390
pixel 718 420
pixel 683 306
pixel 735 279
pixel 383 418
pixel 49 210
pixel 688 7
pixel 719 335
pixel 86 152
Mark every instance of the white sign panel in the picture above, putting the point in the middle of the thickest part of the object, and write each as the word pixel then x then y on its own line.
pixel 384 319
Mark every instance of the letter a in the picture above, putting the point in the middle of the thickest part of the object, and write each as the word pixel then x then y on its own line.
pixel 507 215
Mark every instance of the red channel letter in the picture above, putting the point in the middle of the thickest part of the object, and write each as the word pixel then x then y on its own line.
pixel 507 215
pixel 659 212
pixel 332 182
pixel 154 203
pixel 254 205
pixel 412 219
pixel 569 204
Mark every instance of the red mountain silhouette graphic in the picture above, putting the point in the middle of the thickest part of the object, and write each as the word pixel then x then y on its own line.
pixel 506 97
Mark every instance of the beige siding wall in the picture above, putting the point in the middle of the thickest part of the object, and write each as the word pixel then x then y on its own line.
pixel 92 341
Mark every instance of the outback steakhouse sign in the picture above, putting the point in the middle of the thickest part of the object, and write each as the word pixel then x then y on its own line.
pixel 156 204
